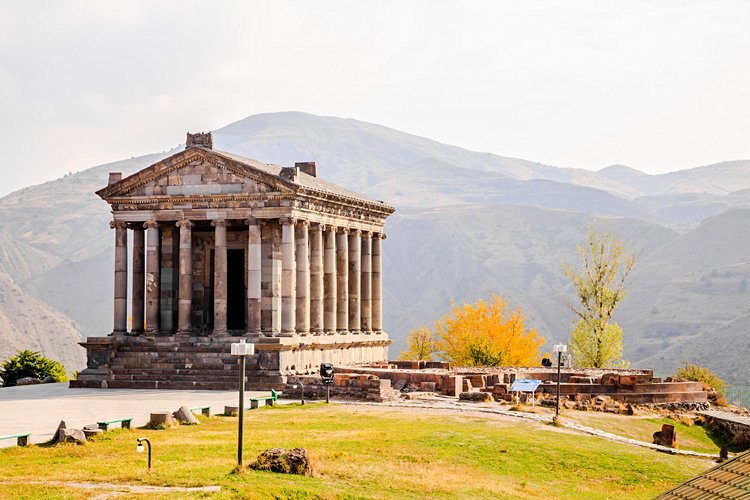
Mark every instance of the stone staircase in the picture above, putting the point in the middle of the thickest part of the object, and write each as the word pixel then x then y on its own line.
pixel 190 363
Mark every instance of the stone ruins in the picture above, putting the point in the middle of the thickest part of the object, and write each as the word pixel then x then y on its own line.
pixel 218 247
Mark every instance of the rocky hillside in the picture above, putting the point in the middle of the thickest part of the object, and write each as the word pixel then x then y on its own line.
pixel 468 224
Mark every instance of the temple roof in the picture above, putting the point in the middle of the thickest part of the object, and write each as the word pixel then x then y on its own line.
pixel 267 176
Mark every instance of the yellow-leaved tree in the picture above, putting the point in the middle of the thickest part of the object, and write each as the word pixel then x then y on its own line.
pixel 421 343
pixel 487 334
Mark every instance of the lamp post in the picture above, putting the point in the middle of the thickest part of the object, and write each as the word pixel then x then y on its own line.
pixel 139 449
pixel 302 389
pixel 242 350
pixel 559 349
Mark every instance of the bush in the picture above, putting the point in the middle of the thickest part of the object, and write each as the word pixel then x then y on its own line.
pixel 698 373
pixel 31 364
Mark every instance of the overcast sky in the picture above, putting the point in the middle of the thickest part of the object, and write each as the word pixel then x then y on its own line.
pixel 657 86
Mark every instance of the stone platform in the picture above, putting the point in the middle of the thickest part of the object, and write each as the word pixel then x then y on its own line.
pixel 205 362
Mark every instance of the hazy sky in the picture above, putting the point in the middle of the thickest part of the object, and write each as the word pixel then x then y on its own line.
pixel 656 85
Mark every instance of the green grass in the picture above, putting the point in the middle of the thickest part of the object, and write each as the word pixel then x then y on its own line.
pixel 358 452
pixel 689 437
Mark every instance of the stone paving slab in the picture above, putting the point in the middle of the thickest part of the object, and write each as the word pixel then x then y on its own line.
pixel 38 409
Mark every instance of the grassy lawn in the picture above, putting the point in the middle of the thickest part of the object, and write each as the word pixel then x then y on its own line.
pixel 358 452
pixel 689 437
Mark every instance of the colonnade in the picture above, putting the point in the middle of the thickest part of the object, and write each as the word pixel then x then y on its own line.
pixel 330 280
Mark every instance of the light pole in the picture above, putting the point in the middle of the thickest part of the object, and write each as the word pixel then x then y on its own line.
pixel 242 350
pixel 559 349
pixel 302 389
pixel 139 449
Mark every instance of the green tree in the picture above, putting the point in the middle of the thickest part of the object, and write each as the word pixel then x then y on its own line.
pixel 31 364
pixel 421 342
pixel 600 287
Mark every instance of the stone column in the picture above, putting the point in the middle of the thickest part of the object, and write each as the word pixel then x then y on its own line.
pixel 329 281
pixel 254 277
pixel 185 287
pixel 342 280
pixel 355 279
pixel 121 277
pixel 288 278
pixel 303 277
pixel 152 277
pixel 366 286
pixel 377 283
pixel 220 276
pixel 139 280
pixel 316 279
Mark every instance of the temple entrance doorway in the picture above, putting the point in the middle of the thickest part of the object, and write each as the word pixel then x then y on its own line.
pixel 236 289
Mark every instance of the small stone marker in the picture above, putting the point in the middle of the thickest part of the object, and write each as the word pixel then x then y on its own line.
pixel 666 437
pixel 72 436
pixel 161 418
pixel 185 416
pixel 92 432
pixel 60 428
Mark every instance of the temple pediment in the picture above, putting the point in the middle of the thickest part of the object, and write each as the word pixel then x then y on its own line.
pixel 199 172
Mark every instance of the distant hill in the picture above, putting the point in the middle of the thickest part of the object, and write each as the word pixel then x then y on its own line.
pixel 468 224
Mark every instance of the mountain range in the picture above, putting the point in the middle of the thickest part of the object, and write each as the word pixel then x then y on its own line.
pixel 468 225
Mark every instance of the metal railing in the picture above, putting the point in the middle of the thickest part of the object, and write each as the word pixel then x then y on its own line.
pixel 739 395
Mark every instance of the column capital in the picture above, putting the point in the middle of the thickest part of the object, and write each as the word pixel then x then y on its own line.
pixel 366 234
pixel 288 220
pixel 253 221
pixel 380 236
pixel 184 223
pixel 302 222
pixel 355 232
pixel 343 230
pixel 219 223
pixel 152 224
pixel 118 224
pixel 316 226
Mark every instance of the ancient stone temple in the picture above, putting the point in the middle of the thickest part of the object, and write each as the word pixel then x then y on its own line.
pixel 211 247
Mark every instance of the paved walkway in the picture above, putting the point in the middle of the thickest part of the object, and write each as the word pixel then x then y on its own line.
pixel 38 409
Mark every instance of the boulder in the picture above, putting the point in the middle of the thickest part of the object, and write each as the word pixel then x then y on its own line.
pixel 91 427
pixel 231 411
pixel 60 428
pixel 48 380
pixel 72 436
pixel 284 461
pixel 478 397
pixel 185 416
pixel 28 381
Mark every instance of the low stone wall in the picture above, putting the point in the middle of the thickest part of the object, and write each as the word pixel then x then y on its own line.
pixel 735 428
pixel 345 385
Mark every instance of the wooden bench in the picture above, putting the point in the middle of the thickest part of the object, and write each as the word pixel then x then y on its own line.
pixel 206 410
pixel 124 423
pixel 21 439
pixel 269 400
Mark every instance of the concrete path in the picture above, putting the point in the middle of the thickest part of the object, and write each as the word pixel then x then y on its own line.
pixel 38 409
